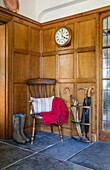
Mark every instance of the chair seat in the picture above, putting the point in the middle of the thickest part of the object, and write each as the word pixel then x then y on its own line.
pixel 37 116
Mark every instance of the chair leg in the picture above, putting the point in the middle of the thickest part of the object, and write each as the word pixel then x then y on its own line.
pixel 33 131
pixel 51 129
pixel 60 132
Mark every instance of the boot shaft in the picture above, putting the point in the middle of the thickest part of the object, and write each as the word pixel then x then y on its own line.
pixel 16 130
pixel 16 122
pixel 22 123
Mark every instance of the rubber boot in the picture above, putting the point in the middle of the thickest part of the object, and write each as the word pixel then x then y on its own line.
pixel 16 133
pixel 22 122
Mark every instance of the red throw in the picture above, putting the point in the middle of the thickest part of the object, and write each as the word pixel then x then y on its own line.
pixel 59 112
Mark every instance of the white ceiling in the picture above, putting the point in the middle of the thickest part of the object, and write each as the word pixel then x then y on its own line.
pixel 47 10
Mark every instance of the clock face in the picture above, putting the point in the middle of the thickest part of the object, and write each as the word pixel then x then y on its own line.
pixel 62 36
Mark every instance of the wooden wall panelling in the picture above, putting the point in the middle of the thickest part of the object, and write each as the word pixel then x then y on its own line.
pixel 86 65
pixel 75 53
pixel 35 40
pixel 26 65
pixel 48 40
pixel 86 33
pixel 20 67
pixel 49 67
pixel 21 40
pixel 26 44
pixel 86 39
pixel 9 79
pixel 65 95
pixel 2 82
pixel 2 127
pixel 57 76
pixel 33 66
pixel 76 63
pixel 66 63
pixel 20 98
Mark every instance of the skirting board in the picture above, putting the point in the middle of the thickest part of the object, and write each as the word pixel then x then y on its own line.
pixel 66 131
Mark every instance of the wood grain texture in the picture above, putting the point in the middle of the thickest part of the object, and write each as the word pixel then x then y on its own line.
pixel 86 33
pixel 20 98
pixel 35 39
pixel 86 65
pixel 20 69
pixel 33 66
pixel 48 40
pixel 2 81
pixel 66 65
pixel 26 65
pixel 49 67
pixel 66 97
pixel 20 36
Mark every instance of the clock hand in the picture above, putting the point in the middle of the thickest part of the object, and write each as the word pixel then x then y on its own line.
pixel 64 37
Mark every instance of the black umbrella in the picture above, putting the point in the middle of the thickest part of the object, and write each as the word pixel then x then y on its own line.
pixel 85 113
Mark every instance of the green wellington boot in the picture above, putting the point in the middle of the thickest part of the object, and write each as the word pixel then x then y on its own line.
pixel 22 122
pixel 16 132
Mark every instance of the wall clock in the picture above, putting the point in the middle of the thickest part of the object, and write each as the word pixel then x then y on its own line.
pixel 12 5
pixel 63 36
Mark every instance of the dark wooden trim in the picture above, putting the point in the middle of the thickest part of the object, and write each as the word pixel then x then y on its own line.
pixel 100 96
pixel 88 80
pixel 105 78
pixel 10 13
pixel 27 52
pixel 69 51
pixel 5 17
pixel 97 73
pixel 106 47
pixel 81 80
pixel 64 52
pixel 105 137
pixel 85 49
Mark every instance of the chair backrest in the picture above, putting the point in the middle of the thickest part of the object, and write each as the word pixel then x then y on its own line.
pixel 43 87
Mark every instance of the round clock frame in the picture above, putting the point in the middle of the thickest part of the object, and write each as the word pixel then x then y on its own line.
pixel 63 41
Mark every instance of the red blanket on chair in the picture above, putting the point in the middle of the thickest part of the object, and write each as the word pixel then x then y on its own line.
pixel 59 112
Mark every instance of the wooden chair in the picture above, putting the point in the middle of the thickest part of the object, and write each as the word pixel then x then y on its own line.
pixel 41 88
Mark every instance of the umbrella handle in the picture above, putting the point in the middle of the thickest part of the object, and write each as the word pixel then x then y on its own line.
pixel 91 89
pixel 83 88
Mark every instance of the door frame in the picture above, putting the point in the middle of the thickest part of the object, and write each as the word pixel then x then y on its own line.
pixel 103 136
pixel 6 19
